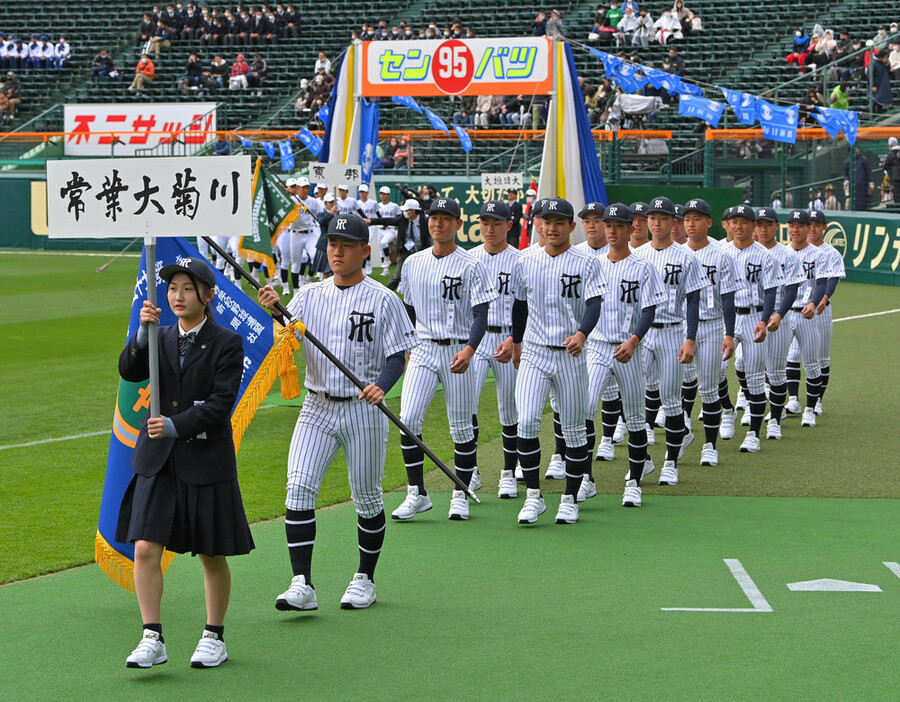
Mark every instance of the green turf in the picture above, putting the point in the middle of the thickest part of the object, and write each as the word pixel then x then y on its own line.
pixel 492 610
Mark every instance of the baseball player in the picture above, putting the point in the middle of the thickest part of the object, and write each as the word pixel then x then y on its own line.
pixel 715 331
pixel 321 191
pixel 499 258
pixel 558 293
pixel 446 291
pixel 303 234
pixel 825 317
pixel 367 209
pixel 778 337
pixel 754 301
pixel 612 347
pixel 669 344
pixel 346 204
pixel 364 325
pixel 386 234
pixel 678 235
pixel 640 230
pixel 814 272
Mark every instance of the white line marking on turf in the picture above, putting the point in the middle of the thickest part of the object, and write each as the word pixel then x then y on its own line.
pixel 747 585
pixel 863 316
pixel 893 567
pixel 102 254
pixel 51 441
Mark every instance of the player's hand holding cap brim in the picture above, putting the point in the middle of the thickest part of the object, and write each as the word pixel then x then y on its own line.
pixel 497 209
pixel 618 212
pixel 801 216
pixel 194 267
pixel 349 226
pixel 697 205
pixel 766 214
pixel 446 205
pixel 592 208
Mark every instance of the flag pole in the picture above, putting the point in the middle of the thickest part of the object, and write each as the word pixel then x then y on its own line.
pixel 152 328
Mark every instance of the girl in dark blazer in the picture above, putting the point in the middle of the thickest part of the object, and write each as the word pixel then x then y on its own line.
pixel 184 495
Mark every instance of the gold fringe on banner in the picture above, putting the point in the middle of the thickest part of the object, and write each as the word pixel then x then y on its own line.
pixel 117 567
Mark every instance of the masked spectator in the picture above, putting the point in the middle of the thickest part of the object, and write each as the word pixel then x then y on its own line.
pixel 62 52
pixel 539 25
pixel 193 74
pixel 627 27
pixel 323 63
pixel 614 14
pixel 881 82
pixel 555 26
pixel 840 96
pixel 103 68
pixel 239 70
pixel 668 28
pixel 146 30
pixel 217 73
pixel 144 73
pixel 258 70
pixel 684 16
pixel 808 108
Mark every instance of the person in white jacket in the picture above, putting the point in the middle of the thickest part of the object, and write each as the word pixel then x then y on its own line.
pixel 668 28
pixel 645 31
pixel 62 52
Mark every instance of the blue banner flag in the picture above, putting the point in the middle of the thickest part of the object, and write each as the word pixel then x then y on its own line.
pixel 708 110
pixel 246 143
pixel 368 137
pixel 620 72
pixel 464 137
pixel 778 123
pixel 287 155
pixel 662 80
pixel 310 141
pixel 685 88
pixel 743 105
pixel 269 148
pixel 436 122
pixel 324 115
pixel 835 121
pixel 408 101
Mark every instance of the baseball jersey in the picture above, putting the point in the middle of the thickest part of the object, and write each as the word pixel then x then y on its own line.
pixel 556 288
pixel 584 246
pixel 634 284
pixel 834 262
pixel 369 208
pixel 717 269
pixel 499 268
pixel 788 269
pixel 347 205
pixel 680 273
pixel 755 272
pixel 362 325
pixel 812 265
pixel 306 221
pixel 391 209
pixel 443 290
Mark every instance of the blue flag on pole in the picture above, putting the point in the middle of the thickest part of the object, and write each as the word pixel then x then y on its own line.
pixel 464 137
pixel 269 148
pixel 684 88
pixel 743 105
pixel 324 115
pixel 708 110
pixel 436 122
pixel 408 101
pixel 310 141
pixel 836 121
pixel 287 155
pixel 246 143
pixel 660 79
pixel 368 137
pixel 778 123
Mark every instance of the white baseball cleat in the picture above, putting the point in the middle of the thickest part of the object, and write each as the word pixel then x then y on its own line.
pixel 557 468
pixel 745 419
pixel 149 652
pixel 210 651
pixel 819 409
pixel 518 472
pixel 413 504
pixel 750 443
pixel 669 474
pixel 686 441
pixel 726 428
pixel 619 433
pixel 568 510
pixel 740 402
pixel 385 272
pixel 587 489
pixel 773 429
pixel 793 405
pixel 299 596
pixel 651 437
pixel 360 593
pixel 507 487
pixel 809 418
pixel 475 482
pixel 459 506
pixel 708 455
pixel 687 422
pixel 533 508
pixel 660 420
pixel 632 496
pixel 606 451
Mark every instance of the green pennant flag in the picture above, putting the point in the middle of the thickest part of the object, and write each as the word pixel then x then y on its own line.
pixel 273 211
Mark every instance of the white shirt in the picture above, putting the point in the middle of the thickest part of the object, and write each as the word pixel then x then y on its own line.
pixel 634 284
pixel 788 269
pixel 63 50
pixel 717 269
pixel 755 271
pixel 680 273
pixel 833 262
pixel 812 266
pixel 346 205
pixel 499 267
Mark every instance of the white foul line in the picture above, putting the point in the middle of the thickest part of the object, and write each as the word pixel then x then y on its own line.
pixel 100 254
pixel 893 567
pixel 863 316
pixel 52 441
pixel 747 585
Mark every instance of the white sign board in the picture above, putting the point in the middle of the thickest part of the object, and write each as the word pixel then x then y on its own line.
pixel 501 181
pixel 88 126
pixel 335 174
pixel 191 196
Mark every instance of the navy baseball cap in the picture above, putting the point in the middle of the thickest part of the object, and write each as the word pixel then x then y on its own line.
pixel 618 212
pixel 196 268
pixel 696 205
pixel 679 212
pixel 559 206
pixel 496 209
pixel 538 207
pixel 801 216
pixel 817 216
pixel 444 204
pixel 592 208
pixel 727 213
pixel 741 211
pixel 662 205
pixel 640 208
pixel 349 226
pixel 766 214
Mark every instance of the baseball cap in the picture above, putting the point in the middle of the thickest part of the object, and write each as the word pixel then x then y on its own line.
pixel 892 142
pixel 321 186
pixel 532 192
pixel 196 268
pixel 349 226
pixel 538 207
pixel 801 216
pixel 741 211
pixel 386 189
pixel 679 212
pixel 363 188
pixel 344 186
pixel 496 209
pixel 591 208
pixel 817 216
pixel 290 182
pixel 727 213
pixel 445 204
pixel 639 208
pixel 410 205
pixel 618 212
pixel 559 206
pixel 661 204
pixel 766 214
pixel 329 197
pixel 696 205
pixel 303 181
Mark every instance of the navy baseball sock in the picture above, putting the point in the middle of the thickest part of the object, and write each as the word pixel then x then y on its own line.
pixel 757 410
pixel 823 380
pixel 742 380
pixel 712 418
pixel 414 460
pixel 591 434
pixel 530 460
pixel 158 629
pixel 283 275
pixel 217 630
pixel 793 378
pixel 475 426
pixel 652 404
pixel 777 397
pixel 637 454
pixel 557 433
pixel 304 268
pixel 724 397
pixel 609 413
pixel 689 396
pixel 254 266
pixel 510 454
pixel 464 456
pixel 370 533
pixel 295 280
pixel 813 387
pixel 300 529
pixel 675 431
pixel 385 257
pixel 578 461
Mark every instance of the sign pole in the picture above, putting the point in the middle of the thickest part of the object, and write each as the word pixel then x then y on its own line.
pixel 152 329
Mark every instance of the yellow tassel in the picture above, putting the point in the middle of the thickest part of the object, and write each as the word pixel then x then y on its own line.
pixel 117 567
pixel 290 375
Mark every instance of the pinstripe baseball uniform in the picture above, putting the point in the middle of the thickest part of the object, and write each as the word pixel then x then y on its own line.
pixel 303 235
pixel 369 209
pixel 778 341
pixel 834 263
pixel 806 331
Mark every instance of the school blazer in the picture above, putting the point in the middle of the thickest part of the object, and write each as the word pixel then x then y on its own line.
pixel 198 398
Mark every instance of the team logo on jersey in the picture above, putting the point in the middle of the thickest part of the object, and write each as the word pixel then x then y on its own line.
pixel 571 285
pixel 672 274
pixel 629 290
pixel 753 271
pixel 361 326
pixel 450 287
pixel 809 269
pixel 503 282
pixel 711 272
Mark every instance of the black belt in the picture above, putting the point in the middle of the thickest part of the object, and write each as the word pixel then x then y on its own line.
pixel 748 310
pixel 663 325
pixel 796 309
pixel 333 398
pixel 827 302
pixel 498 330
pixel 449 342
pixel 556 348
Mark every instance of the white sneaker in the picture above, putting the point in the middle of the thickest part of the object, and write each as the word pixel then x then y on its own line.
pixel 651 437
pixel 686 441
pixel 669 474
pixel 819 407
pixel 413 504
pixel 299 596
pixel 459 506
pixel 568 510
pixel 793 405
pixel 632 496
pixel 687 422
pixel 587 489
pixel 285 289
pixel 149 652
pixel 385 272
pixel 210 652
pixel 649 467
pixel 360 593
pixel 750 443
pixel 620 432
pixel 726 428
pixel 773 429
pixel 557 468
pixel 606 451
pixel 533 508
pixel 660 420
pixel 745 419
pixel 475 482
pixel 740 402
pixel 809 418
pixel 518 472
pixel 507 487
pixel 708 455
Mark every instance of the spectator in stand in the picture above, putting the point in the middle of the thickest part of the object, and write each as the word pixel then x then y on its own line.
pixel 831 202
pixel 5 115
pixel 881 82
pixel 403 155
pixel 34 53
pixel 880 40
pixel 144 73
pixel 102 67
pixel 22 54
pixel 45 55
pixel 162 39
pixel 222 147
pixel 217 74
pixel 808 107
pixel 626 28
pixel 304 100
pixel 259 28
pixel 676 62
pixel 274 31
pixel 645 30
pixel 482 111
pixel 864 183
pixel 319 89
pixel 684 16
pixel 555 28
pixel 894 61
pixel 173 19
pixel 323 63
pixel 855 63
pixel 292 23
pixel 800 52
pixel 146 30
pixel 614 15
pixel 239 70
pixel 539 25
pixel 515 212
pixel 5 46
pixel 387 159
pixel 465 115
pixel 668 28
pixel 891 167
pixel 509 113
pixel 193 74
pixel 232 29
pixel 815 200
pixel 824 50
pixel 257 74
pixel 840 96
pixel 12 88
pixel 192 22
pixel 62 53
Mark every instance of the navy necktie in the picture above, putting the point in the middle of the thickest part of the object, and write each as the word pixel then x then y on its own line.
pixel 185 341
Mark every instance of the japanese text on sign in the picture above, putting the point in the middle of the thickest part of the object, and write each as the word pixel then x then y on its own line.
pixel 501 180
